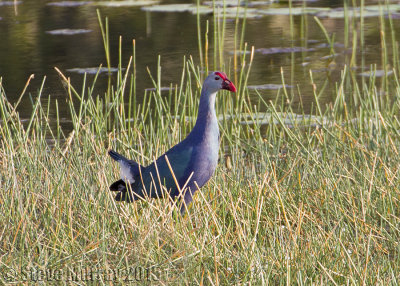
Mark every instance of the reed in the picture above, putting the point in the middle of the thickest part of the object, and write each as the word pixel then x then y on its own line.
pixel 295 199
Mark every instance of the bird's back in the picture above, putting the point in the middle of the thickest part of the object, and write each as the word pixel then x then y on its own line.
pixel 190 161
pixel 159 173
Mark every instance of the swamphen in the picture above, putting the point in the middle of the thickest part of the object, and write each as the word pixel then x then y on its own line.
pixel 192 160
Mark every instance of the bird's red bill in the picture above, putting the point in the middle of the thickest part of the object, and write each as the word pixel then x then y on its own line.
pixel 227 84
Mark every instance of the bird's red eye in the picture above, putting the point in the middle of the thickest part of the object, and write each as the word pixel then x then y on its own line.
pixel 216 78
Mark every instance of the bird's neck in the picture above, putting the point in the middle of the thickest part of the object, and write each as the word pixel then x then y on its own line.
pixel 207 123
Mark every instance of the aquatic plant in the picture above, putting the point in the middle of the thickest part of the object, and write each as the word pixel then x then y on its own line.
pixel 296 198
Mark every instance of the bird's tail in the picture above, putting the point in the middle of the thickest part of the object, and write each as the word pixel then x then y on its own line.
pixel 118 186
pixel 116 156
pixel 123 192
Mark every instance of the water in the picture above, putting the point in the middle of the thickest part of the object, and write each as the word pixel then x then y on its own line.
pixel 31 44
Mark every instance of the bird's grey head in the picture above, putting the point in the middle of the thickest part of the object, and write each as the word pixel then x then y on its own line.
pixel 216 81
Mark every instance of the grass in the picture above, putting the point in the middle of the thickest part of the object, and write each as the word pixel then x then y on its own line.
pixel 295 203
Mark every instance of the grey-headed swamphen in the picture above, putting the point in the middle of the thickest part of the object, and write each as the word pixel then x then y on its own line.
pixel 192 160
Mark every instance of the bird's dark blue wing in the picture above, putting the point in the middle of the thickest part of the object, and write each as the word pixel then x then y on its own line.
pixel 159 173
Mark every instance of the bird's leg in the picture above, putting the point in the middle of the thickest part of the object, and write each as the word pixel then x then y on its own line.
pixel 187 199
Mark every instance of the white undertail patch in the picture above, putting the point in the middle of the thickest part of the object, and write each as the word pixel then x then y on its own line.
pixel 125 172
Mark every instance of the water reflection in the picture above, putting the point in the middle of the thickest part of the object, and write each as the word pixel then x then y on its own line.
pixel 37 36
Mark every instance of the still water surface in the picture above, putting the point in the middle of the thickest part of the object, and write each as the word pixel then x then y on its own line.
pixel 31 43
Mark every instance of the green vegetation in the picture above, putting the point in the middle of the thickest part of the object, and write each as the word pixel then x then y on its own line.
pixel 310 200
